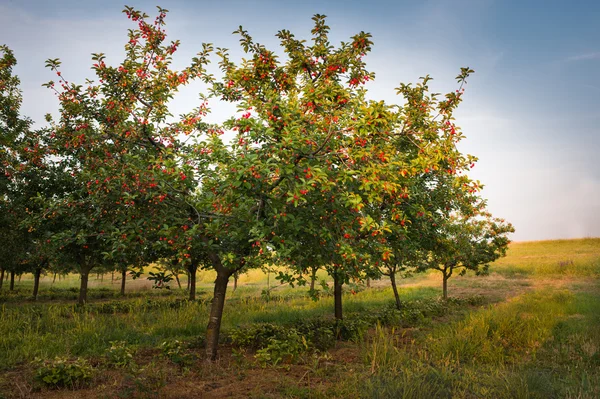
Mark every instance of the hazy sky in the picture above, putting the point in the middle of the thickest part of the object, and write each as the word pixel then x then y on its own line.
pixel 531 111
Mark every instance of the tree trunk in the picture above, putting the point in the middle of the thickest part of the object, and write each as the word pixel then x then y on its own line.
pixel 36 282
pixel 216 315
pixel 188 280
pixel 313 278
pixel 83 288
pixel 112 276
pixel 12 281
pixel 395 289
pixel 1 277
pixel 192 281
pixel 54 278
pixel 177 279
pixel 337 295
pixel 235 281
pixel 123 278
pixel 445 286
pixel 368 282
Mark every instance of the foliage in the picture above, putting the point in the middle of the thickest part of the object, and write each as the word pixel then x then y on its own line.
pixel 284 350
pixel 256 336
pixel 352 328
pixel 175 352
pixel 468 239
pixel 313 163
pixel 25 176
pixel 62 372
pixel 119 354
pixel 319 332
pixel 160 279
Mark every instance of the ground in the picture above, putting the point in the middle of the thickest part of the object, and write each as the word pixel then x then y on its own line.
pixel 531 328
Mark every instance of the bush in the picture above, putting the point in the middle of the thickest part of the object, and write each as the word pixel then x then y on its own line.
pixel 318 332
pixel 285 350
pixel 256 336
pixel 390 316
pixel 352 328
pixel 119 355
pixel 174 351
pixel 62 372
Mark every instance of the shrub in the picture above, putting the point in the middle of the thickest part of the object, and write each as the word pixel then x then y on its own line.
pixel 119 355
pixel 318 332
pixel 285 350
pixel 62 372
pixel 174 351
pixel 352 328
pixel 390 316
pixel 256 336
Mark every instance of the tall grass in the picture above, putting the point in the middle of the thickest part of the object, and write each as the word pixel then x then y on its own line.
pixel 45 331
pixel 570 258
pixel 541 345
pixel 504 333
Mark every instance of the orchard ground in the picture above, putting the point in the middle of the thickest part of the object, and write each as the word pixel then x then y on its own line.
pixel 531 328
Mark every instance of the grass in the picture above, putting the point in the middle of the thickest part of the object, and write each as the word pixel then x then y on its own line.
pixel 50 330
pixel 535 259
pixel 544 344
pixel 503 333
pixel 538 335
pixel 574 258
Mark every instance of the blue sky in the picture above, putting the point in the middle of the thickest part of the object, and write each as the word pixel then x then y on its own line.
pixel 531 111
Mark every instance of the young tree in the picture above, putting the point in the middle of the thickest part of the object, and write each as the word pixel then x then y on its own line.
pixel 430 138
pixel 469 239
pixel 113 137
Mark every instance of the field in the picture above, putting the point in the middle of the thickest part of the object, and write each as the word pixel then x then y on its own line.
pixel 529 329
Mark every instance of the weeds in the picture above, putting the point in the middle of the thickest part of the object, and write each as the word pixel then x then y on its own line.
pixel 285 350
pixel 61 372
pixel 175 352
pixel 119 354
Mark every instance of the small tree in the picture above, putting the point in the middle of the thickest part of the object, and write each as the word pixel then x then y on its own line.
pixel 468 240
pixel 431 136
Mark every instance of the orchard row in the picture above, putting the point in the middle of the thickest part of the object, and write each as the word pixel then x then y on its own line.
pixel 308 173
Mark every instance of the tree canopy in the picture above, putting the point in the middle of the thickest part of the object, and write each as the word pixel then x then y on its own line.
pixel 316 174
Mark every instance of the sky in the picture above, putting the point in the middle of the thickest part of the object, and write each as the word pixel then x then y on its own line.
pixel 531 111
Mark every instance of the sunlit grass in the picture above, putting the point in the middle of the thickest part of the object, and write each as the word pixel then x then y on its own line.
pixel 46 330
pixel 579 257
pixel 541 345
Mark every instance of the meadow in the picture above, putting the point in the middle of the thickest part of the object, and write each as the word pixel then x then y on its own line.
pixel 528 329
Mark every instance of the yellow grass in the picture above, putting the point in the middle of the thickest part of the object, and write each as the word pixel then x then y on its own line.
pixel 578 257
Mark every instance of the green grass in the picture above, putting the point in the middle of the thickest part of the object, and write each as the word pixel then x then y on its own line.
pixel 45 331
pixel 541 345
pixel 22 294
pixel 536 259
